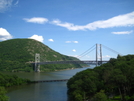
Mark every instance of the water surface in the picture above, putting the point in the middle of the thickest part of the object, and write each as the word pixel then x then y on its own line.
pixel 47 91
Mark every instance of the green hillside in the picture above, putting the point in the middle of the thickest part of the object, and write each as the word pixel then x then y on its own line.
pixel 15 53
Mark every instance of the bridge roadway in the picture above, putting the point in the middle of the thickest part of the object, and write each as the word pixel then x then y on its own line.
pixel 71 62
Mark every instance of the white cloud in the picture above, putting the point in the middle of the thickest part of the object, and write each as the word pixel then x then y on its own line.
pixel 87 56
pixel 76 56
pixel 71 42
pixel 37 37
pixel 16 2
pixel 106 56
pixel 39 20
pixel 125 20
pixel 6 4
pixel 51 40
pixel 4 34
pixel 75 41
pixel 123 32
pixel 69 26
pixel 68 42
pixel 74 50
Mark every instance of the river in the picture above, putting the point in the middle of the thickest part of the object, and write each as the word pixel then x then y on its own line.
pixel 47 91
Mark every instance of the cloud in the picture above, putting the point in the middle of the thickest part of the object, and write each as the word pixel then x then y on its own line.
pixel 37 37
pixel 16 2
pixel 71 42
pixel 75 41
pixel 38 20
pixel 125 20
pixel 51 40
pixel 87 56
pixel 69 26
pixel 4 34
pixel 123 32
pixel 106 56
pixel 68 42
pixel 76 56
pixel 6 4
pixel 74 50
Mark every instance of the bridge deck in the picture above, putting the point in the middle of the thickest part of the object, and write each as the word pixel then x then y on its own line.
pixel 70 62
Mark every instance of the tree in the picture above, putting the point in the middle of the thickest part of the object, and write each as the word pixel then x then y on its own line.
pixel 114 77
pixel 100 96
pixel 3 97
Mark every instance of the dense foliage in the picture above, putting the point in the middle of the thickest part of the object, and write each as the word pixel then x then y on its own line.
pixel 11 80
pixel 113 81
pixel 8 81
pixel 15 53
pixel 3 96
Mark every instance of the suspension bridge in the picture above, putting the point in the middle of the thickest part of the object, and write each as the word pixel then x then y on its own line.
pixel 98 61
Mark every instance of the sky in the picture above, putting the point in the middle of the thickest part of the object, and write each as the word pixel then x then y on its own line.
pixel 72 27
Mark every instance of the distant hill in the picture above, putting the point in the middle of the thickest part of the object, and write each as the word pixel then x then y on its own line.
pixel 15 53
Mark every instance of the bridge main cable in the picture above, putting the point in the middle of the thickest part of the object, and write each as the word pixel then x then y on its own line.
pixel 111 50
pixel 86 52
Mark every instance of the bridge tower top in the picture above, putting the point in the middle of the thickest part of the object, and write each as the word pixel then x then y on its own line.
pixel 37 57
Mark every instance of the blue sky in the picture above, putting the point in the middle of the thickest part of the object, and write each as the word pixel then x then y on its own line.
pixel 71 27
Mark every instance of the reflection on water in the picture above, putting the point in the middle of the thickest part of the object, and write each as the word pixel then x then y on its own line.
pixel 47 91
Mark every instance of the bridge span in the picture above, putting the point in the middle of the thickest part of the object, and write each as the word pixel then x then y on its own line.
pixel 91 62
pixel 96 62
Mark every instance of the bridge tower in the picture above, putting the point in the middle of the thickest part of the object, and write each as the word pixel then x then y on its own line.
pixel 98 54
pixel 37 60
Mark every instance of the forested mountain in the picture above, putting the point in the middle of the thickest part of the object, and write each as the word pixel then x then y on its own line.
pixel 15 53
pixel 113 81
